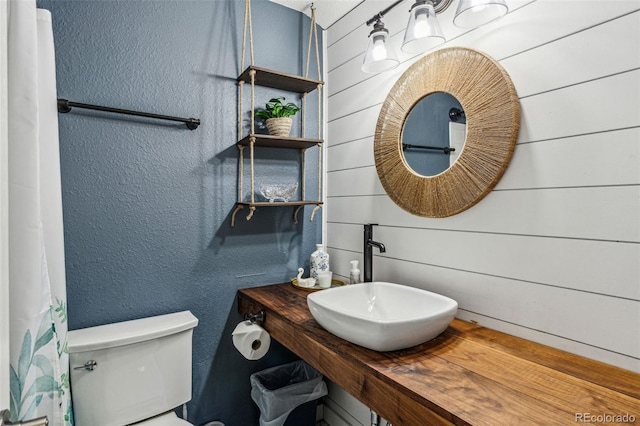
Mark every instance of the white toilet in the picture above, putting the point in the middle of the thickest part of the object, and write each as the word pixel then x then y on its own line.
pixel 132 372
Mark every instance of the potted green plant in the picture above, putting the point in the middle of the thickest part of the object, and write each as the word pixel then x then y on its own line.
pixel 277 115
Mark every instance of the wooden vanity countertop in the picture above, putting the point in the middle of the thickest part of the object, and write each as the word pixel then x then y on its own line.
pixel 469 375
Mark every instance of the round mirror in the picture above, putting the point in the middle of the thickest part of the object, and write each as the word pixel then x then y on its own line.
pixel 492 113
pixel 434 134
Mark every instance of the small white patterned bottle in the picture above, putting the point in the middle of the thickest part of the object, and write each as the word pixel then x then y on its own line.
pixel 319 261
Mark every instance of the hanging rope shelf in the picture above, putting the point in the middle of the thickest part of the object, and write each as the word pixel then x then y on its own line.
pixel 293 83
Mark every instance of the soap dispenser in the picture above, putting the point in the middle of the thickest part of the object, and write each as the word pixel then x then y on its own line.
pixel 354 275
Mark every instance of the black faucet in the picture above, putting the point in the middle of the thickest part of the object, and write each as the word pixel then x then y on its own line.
pixel 368 252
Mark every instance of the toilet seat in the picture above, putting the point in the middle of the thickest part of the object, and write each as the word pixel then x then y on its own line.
pixel 166 419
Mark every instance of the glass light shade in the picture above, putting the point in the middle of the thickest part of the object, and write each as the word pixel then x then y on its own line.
pixel 473 13
pixel 379 56
pixel 423 29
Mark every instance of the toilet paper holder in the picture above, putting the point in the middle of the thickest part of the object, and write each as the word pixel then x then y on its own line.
pixel 254 318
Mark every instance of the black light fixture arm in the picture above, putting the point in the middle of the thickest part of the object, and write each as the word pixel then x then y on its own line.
pixel 380 14
pixel 65 106
pixel 439 6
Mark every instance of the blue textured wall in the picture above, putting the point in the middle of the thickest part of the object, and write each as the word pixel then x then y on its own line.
pixel 147 204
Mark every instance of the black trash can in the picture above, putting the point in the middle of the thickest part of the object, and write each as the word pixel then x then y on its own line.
pixel 287 394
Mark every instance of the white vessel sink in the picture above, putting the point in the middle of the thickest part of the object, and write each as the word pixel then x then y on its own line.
pixel 382 316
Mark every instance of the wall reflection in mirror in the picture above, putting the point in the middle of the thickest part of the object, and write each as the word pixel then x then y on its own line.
pixel 433 134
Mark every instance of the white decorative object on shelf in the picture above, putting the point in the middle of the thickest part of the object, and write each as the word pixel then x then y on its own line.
pixel 304 282
pixel 278 191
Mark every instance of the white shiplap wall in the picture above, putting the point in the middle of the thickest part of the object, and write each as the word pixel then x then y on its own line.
pixel 553 253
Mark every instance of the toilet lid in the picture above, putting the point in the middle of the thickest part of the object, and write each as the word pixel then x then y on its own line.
pixel 167 419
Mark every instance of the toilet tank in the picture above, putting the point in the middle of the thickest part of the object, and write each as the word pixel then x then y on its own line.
pixel 143 368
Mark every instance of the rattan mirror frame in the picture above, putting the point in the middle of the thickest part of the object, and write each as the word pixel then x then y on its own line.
pixel 492 110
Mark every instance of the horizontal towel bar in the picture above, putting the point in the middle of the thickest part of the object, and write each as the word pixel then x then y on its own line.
pixel 65 106
pixel 444 149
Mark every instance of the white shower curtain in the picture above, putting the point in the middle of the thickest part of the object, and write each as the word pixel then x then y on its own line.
pixel 39 376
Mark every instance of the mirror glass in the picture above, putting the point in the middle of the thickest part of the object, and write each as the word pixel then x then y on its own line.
pixel 433 134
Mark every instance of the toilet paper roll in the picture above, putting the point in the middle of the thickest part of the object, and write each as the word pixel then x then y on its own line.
pixel 251 340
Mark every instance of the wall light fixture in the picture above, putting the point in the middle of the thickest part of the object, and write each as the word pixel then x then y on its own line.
pixel 379 55
pixel 423 31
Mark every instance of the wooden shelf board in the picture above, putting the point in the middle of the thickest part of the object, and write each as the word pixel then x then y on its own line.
pixel 280 80
pixel 280 142
pixel 280 203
